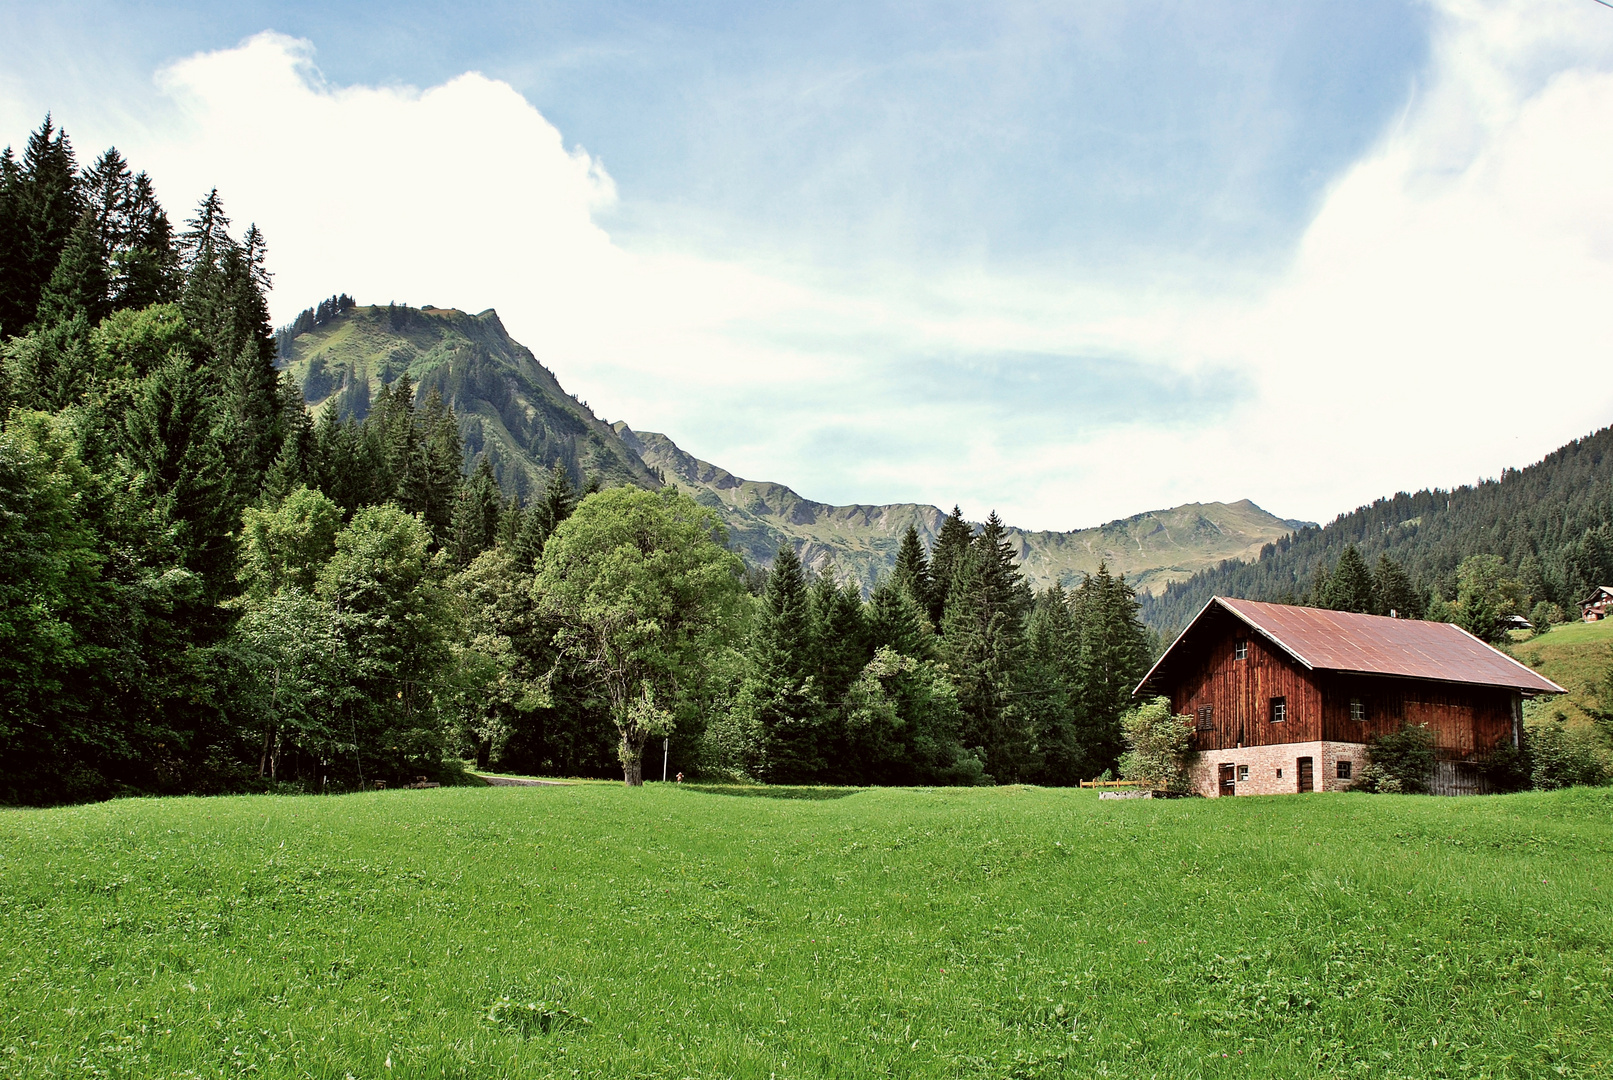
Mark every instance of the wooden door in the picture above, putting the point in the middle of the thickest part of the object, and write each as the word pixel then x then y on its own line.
pixel 1229 786
pixel 1307 780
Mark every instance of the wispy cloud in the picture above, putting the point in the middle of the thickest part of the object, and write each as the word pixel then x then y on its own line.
pixel 1441 316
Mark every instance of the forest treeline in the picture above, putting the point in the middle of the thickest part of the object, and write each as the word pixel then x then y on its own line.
pixel 1545 532
pixel 203 588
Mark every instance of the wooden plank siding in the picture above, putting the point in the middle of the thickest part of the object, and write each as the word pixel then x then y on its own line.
pixel 1239 694
pixel 1467 721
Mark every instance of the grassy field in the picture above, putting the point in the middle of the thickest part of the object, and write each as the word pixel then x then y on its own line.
pixel 677 932
pixel 1576 656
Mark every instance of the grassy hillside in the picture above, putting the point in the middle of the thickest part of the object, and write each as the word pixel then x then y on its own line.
pixel 1577 657
pixel 509 405
pixel 1151 549
pixel 592 931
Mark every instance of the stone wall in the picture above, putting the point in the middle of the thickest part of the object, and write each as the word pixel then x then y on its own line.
pixel 1263 764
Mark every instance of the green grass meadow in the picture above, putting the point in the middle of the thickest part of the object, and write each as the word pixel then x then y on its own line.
pixel 681 932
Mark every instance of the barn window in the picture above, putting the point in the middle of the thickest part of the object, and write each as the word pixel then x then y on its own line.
pixel 1243 773
pixel 1358 710
pixel 1279 709
pixel 1240 650
pixel 1207 718
pixel 1344 770
pixel 1279 774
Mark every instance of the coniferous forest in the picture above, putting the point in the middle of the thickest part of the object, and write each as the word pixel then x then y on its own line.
pixel 204 587
pixel 1533 543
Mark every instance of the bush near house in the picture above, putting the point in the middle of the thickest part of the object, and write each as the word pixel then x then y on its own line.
pixel 1159 746
pixel 1399 762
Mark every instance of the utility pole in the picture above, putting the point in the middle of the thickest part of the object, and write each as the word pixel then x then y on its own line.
pixel 666 741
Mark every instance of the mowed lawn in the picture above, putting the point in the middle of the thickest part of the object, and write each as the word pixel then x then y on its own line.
pixel 1015 932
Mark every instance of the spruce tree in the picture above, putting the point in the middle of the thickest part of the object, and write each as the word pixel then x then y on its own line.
pixel 12 235
pixel 1050 688
pixel 1114 658
pixel 146 263
pixel 982 641
pixel 559 499
pixel 48 204
pixel 1350 586
pixel 440 455
pixel 779 693
pixel 896 622
pixel 912 571
pixel 945 555
pixel 509 522
pixel 1395 591
pixel 839 636
pixel 476 514
pixel 78 285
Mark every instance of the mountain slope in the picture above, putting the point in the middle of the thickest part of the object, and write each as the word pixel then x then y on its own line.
pixel 1551 523
pixel 1151 549
pixel 509 406
pixel 513 409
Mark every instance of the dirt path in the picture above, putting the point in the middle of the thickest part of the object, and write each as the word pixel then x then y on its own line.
pixel 516 781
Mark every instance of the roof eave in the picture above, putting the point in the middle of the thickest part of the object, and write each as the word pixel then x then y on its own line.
pixel 1529 691
pixel 1191 623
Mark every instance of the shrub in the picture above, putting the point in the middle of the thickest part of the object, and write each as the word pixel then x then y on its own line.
pixel 1508 768
pixel 1561 756
pixel 1401 761
pixel 1159 746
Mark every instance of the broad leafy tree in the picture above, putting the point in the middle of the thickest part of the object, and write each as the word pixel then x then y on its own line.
pixel 642 587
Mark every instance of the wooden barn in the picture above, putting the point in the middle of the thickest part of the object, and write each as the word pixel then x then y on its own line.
pixel 1287 697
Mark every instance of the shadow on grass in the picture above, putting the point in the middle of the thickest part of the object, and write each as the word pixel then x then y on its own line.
pixel 772 791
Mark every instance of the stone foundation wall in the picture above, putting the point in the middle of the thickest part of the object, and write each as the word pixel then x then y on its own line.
pixel 1264 762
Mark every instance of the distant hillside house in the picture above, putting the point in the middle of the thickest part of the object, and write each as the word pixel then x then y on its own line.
pixel 1287 697
pixel 1594 607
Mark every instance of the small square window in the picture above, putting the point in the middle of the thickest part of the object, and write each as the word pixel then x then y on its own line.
pixel 1358 710
pixel 1243 773
pixel 1240 650
pixel 1279 710
pixel 1344 770
pixel 1207 718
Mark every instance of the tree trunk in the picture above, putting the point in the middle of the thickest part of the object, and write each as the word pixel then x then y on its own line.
pixel 632 754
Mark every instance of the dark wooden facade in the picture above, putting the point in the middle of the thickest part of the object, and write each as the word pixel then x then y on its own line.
pixel 1232 699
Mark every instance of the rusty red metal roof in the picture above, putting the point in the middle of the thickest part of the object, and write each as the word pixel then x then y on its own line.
pixel 1373 645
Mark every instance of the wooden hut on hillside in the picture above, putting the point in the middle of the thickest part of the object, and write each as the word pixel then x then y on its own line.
pixel 1286 697
pixel 1594 608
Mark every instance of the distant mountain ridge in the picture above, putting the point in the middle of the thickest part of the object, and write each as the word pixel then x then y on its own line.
pixel 1151 548
pixel 514 410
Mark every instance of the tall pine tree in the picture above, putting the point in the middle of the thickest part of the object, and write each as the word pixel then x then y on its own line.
pixel 1114 658
pixel 912 571
pixel 1050 688
pixel 982 642
pixel 476 514
pixel 1350 586
pixel 945 556
pixel 779 694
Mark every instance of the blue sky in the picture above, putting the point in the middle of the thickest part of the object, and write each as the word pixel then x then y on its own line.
pixel 1074 261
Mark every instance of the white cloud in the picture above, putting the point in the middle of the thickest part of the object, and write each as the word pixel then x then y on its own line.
pixel 1442 317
